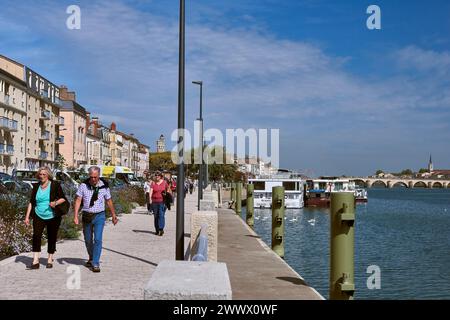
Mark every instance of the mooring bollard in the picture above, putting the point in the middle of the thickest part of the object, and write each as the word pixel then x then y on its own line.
pixel 342 246
pixel 238 204
pixel 278 220
pixel 250 210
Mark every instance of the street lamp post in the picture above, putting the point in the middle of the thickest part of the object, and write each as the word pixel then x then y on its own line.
pixel 200 169
pixel 180 167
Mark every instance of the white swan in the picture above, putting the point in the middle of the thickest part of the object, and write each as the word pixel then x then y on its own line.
pixel 312 221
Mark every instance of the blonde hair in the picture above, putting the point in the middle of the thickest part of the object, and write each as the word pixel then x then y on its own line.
pixel 47 169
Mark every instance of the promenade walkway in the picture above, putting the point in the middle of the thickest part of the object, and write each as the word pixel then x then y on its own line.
pixel 131 252
pixel 255 271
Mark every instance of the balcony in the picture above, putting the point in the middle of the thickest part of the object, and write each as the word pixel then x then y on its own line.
pixel 45 115
pixel 8 124
pixel 6 150
pixel 45 136
pixel 60 140
pixel 44 94
pixel 43 155
pixel 59 121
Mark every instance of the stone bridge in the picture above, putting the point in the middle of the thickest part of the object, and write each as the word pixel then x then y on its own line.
pixel 400 182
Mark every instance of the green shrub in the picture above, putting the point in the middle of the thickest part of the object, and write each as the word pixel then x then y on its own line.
pixel 68 229
pixel 15 236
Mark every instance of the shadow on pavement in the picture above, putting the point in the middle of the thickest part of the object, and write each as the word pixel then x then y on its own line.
pixel 293 280
pixel 145 231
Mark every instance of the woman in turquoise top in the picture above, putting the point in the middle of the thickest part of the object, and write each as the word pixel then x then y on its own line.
pixel 45 197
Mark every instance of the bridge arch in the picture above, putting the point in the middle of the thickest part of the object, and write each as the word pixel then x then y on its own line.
pixel 379 183
pixel 360 183
pixel 438 185
pixel 420 184
pixel 400 184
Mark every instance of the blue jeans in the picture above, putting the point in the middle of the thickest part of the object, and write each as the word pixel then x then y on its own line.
pixel 159 210
pixel 93 235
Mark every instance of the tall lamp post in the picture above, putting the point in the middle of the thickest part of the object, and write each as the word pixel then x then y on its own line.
pixel 181 125
pixel 200 169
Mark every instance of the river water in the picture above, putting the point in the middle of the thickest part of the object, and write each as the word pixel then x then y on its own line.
pixel 405 232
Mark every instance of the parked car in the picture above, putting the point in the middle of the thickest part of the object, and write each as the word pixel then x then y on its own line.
pixel 4 176
pixel 17 186
pixel 25 175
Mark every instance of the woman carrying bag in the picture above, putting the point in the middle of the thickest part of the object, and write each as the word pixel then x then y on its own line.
pixel 47 205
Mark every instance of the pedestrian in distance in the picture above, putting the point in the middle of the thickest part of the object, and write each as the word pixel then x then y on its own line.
pixel 147 187
pixel 91 197
pixel 157 195
pixel 47 206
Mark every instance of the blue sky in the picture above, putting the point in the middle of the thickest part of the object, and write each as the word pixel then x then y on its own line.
pixel 347 100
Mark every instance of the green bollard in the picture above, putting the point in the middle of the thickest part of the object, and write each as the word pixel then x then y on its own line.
pixel 342 246
pixel 278 220
pixel 250 209
pixel 238 204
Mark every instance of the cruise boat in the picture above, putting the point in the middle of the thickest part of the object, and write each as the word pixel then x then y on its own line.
pixel 318 191
pixel 293 186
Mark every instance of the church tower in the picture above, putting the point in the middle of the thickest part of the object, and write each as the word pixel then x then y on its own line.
pixel 430 165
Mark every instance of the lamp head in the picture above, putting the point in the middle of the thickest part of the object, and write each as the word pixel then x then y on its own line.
pixel 198 82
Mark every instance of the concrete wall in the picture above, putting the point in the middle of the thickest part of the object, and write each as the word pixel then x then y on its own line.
pixel 210 218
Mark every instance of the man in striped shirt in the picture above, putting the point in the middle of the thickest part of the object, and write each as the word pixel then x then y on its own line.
pixel 94 193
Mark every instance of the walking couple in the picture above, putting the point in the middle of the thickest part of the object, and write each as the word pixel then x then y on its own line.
pixel 48 203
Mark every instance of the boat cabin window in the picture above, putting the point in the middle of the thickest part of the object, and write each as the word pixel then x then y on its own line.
pixel 289 185
pixel 259 185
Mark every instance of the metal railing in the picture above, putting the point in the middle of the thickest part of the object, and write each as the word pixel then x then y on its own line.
pixel 6 149
pixel 45 135
pixel 8 124
pixel 60 140
pixel 200 250
pixel 45 114
pixel 43 155
pixel 60 121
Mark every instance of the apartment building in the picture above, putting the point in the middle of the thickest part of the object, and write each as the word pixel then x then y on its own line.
pixel 13 115
pixel 116 145
pixel 73 138
pixel 93 141
pixel 143 162
pixel 30 119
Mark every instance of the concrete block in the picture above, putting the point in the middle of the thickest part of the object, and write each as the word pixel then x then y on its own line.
pixel 210 218
pixel 189 280
pixel 215 195
pixel 207 205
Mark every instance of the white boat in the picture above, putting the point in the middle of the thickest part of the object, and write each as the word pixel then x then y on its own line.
pixel 318 190
pixel 293 186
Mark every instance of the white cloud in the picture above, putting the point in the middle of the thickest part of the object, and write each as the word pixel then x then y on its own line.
pixel 251 78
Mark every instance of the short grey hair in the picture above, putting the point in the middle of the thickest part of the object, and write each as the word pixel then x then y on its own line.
pixel 94 168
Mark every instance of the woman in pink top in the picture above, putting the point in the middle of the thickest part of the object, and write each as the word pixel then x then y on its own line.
pixel 157 191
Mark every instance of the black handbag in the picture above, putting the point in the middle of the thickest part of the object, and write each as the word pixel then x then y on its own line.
pixel 62 209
